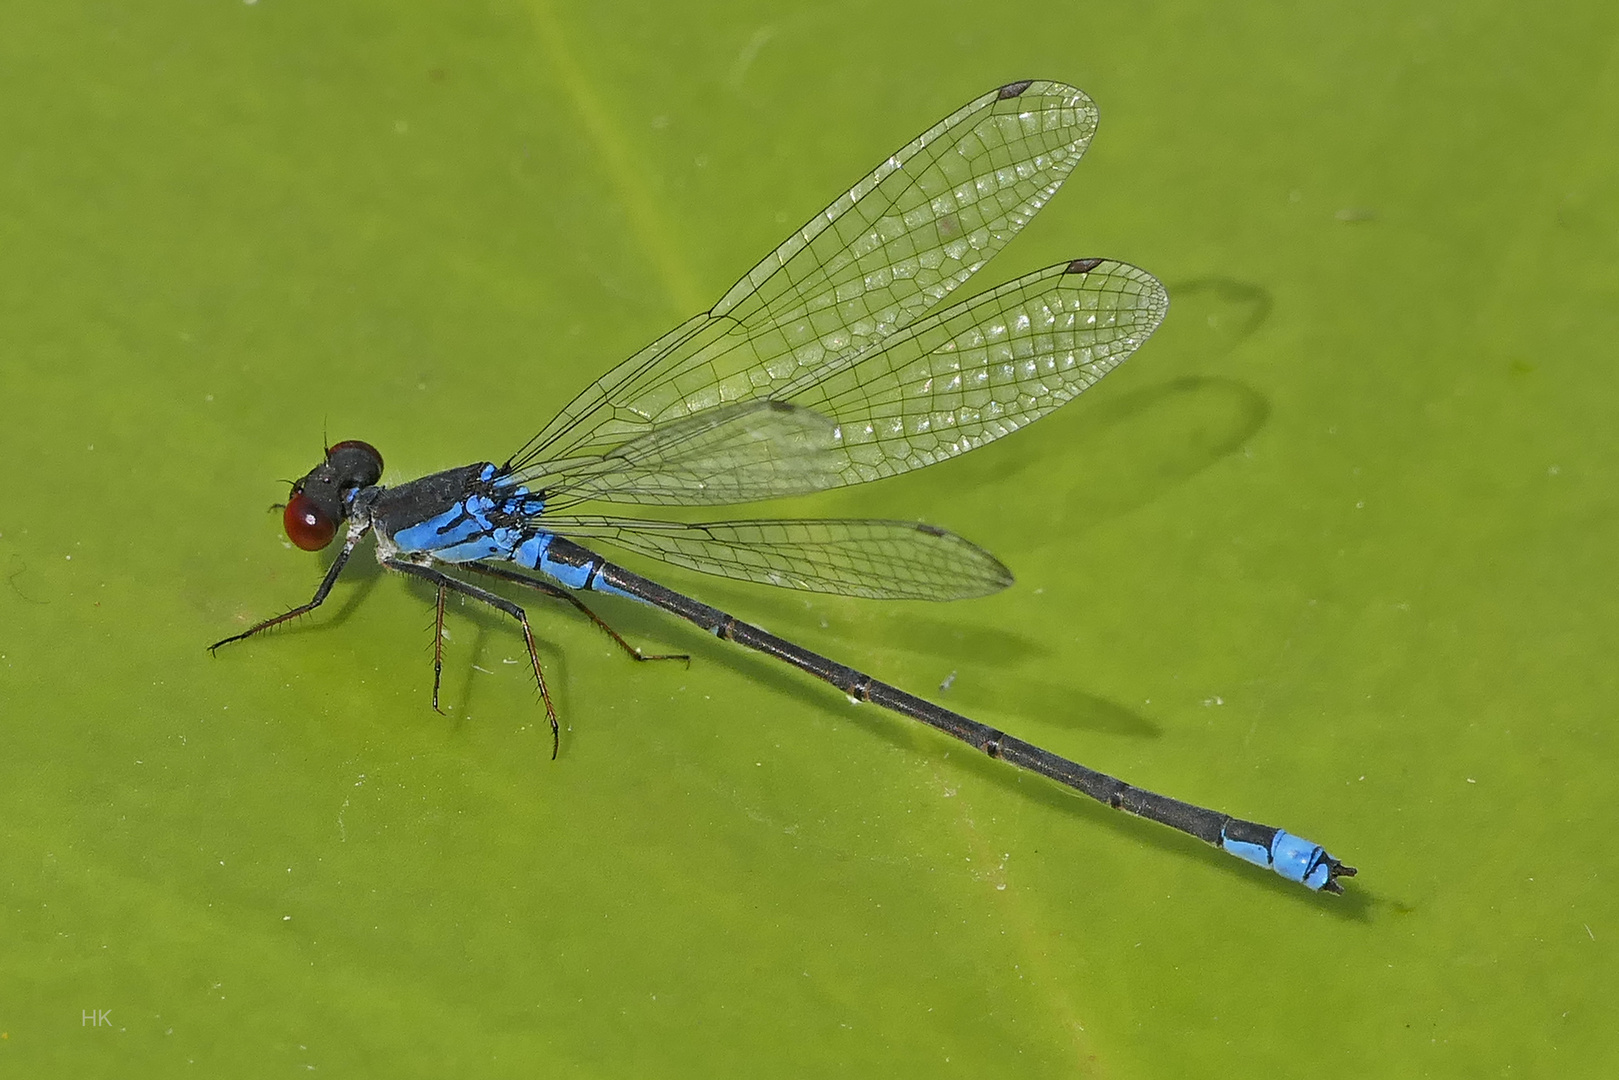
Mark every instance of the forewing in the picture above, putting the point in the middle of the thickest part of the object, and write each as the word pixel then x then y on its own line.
pixel 883 560
pixel 945 385
pixel 865 267
pixel 735 453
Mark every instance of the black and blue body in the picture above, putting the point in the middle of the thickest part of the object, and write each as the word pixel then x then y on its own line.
pixel 823 366
pixel 471 514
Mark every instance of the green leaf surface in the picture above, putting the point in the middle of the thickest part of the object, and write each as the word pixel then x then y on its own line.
pixel 1335 550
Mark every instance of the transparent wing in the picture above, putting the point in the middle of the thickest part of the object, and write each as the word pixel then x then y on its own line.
pixel 734 453
pixel 942 386
pixel 882 560
pixel 865 267
pixel 984 368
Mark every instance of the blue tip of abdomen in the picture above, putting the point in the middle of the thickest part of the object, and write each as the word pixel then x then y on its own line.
pixel 1291 856
pixel 1297 859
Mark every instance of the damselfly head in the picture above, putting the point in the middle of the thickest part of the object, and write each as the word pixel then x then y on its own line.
pixel 320 501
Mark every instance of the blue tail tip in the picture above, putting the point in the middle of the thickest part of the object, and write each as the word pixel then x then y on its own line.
pixel 1291 856
pixel 1307 863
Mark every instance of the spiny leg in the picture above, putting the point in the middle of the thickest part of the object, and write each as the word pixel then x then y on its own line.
pixel 563 594
pixel 444 581
pixel 302 609
pixel 438 645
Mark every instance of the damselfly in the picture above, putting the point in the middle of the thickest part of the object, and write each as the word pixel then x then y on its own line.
pixel 825 365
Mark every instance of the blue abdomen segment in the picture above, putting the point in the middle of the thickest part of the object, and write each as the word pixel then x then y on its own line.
pixel 1291 856
pixel 535 553
pixel 487 523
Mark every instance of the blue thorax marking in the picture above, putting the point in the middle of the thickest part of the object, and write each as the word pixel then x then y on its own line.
pixel 494 518
pixel 487 523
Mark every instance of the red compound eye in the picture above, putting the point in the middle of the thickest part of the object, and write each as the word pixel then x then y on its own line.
pixel 308 526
